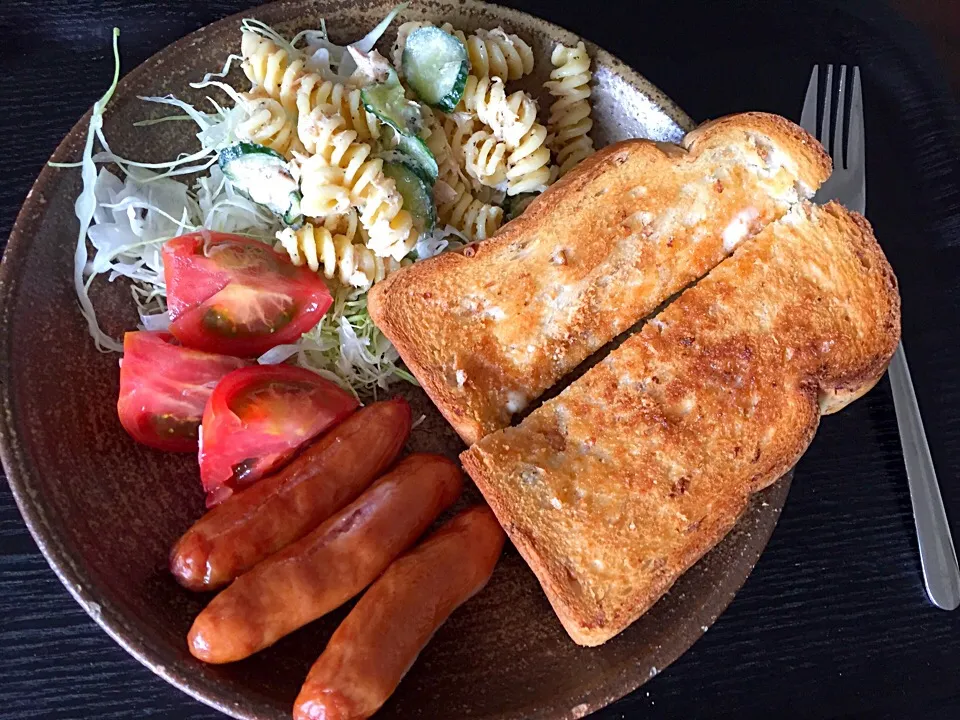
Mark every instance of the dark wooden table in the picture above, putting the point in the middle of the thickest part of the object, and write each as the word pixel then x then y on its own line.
pixel 833 622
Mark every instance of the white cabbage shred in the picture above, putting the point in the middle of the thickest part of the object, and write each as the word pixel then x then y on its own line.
pixel 346 347
pixel 438 241
pixel 128 209
pixel 324 56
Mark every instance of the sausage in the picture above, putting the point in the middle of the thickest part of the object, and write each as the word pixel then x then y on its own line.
pixel 380 639
pixel 282 508
pixel 330 565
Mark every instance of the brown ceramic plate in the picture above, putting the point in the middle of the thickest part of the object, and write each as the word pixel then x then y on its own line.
pixel 105 510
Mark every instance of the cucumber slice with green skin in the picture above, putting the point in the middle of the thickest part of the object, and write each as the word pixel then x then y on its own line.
pixel 417 195
pixel 262 174
pixel 435 65
pixel 388 102
pixel 411 150
pixel 418 156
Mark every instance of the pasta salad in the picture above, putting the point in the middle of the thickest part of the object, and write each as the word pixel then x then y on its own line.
pixel 352 164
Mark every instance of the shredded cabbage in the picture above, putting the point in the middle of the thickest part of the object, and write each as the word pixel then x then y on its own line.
pixel 127 214
pixel 320 53
pixel 346 347
pixel 225 209
pixel 438 241
pixel 127 220
pixel 86 207
pixel 135 216
pixel 160 321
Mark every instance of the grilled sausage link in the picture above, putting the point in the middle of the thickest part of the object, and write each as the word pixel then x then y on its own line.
pixel 380 639
pixel 329 566
pixel 278 510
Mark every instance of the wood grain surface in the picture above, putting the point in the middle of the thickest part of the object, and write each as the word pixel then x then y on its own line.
pixel 940 22
pixel 833 622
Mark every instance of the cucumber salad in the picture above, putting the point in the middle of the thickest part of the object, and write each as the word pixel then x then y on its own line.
pixel 344 162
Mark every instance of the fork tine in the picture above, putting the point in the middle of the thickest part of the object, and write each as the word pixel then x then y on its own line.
pixel 855 137
pixel 827 108
pixel 838 128
pixel 808 120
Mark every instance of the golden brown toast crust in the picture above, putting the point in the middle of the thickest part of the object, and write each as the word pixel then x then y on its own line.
pixel 488 330
pixel 615 487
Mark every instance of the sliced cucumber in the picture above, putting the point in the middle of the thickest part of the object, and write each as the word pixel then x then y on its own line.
pixel 418 157
pixel 514 205
pixel 262 174
pixel 417 196
pixel 410 149
pixel 236 158
pixel 388 102
pixel 293 217
pixel 435 65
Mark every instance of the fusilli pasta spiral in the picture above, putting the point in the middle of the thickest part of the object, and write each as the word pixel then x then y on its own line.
pixel 336 255
pixel 267 123
pixel 528 165
pixel 435 137
pixel 485 158
pixel 346 224
pixel 323 188
pixel 459 126
pixel 570 122
pixel 447 135
pixel 484 98
pixel 494 53
pixel 288 80
pixel 269 66
pixel 339 164
pixel 463 211
pixel 508 116
pixel 314 91
pixel 512 119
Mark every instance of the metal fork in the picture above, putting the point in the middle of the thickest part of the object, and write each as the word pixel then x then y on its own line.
pixel 848 185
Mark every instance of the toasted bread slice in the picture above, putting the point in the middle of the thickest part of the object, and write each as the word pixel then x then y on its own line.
pixel 615 487
pixel 488 330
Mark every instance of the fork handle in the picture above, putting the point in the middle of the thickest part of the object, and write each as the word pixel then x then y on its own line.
pixel 937 554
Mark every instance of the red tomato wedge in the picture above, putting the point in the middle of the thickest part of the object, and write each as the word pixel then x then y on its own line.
pixel 256 419
pixel 164 388
pixel 233 295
